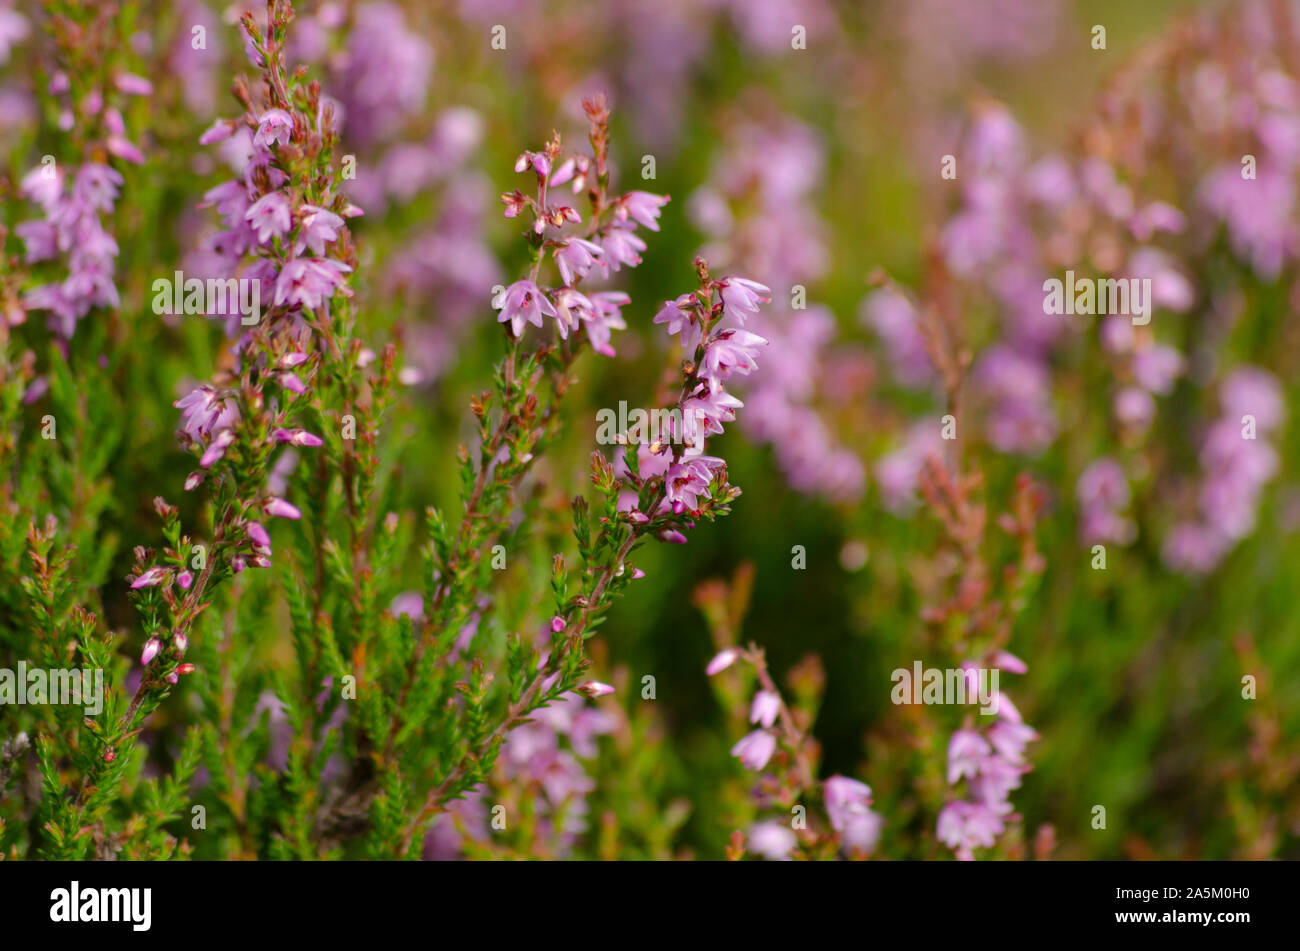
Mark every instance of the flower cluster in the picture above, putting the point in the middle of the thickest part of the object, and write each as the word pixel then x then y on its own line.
pixel 75 201
pixel 672 483
pixel 1237 463
pixel 608 243
pixel 991 761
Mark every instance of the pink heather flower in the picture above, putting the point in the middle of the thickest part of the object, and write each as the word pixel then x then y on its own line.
pixel 709 407
pixel 755 749
pixel 771 839
pixel 309 282
pixel 622 246
pixel 963 826
pixel 297 437
pixel 687 480
pixel 269 216
pixel 1004 660
pixel 576 257
pixel 96 186
pixel 279 508
pixel 40 239
pixel 642 207
pixel 679 317
pixel 231 199
pixel 845 797
pixel 124 149
pixel 557 624
pixel 1156 368
pixel 133 85
pixel 172 678
pixel 291 382
pixel 202 414
pixel 594 688
pixel 765 708
pixel 538 160
pixel 721 661
pixel 1134 408
pixel 1010 739
pixel 522 303
pixel 605 316
pixel 219 131
pixel 151 649
pixel 259 535
pixel 185 580
pixel 218 448
pixel 848 807
pixel 966 751
pixel 181 643
pixel 319 228
pixel 150 578
pixel 1254 392
pixel 742 297
pixel 275 126
pixel 572 307
pixel 997 777
pixel 730 352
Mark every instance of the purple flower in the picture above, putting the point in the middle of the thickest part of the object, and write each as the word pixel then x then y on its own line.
pixel 728 353
pixel 522 303
pixel 621 247
pixel 259 535
pixel 765 708
pixel 576 257
pixel 642 207
pixel 296 437
pixel 721 661
pixel 279 508
pixel 687 480
pixel 309 282
pixel 150 578
pixel 269 216
pixel 755 749
pixel 96 186
pixel 274 126
pixel 217 449
pixel 742 297
pixel 605 316
pixel 1156 367
pixel 966 751
pixel 680 317
pixel 319 228
pixel 1249 391
pixel 772 840
pixel 202 414
pixel 151 649
pixel 963 826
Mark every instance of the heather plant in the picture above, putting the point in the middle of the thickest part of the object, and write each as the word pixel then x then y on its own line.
pixel 314 318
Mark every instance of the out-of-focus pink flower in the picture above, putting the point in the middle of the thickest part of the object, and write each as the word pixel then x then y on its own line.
pixel 721 661
pixel 765 708
pixel 755 749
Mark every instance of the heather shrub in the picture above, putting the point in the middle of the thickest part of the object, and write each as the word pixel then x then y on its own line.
pixel 697 430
